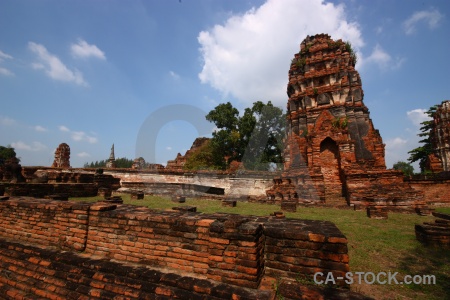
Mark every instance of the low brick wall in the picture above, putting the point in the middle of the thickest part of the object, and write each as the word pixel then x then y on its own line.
pixel 436 192
pixel 435 234
pixel 45 222
pixel 223 248
pixel 28 272
pixel 40 190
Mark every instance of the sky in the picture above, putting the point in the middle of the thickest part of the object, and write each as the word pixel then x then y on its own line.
pixel 143 74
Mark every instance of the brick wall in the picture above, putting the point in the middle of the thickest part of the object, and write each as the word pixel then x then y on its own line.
pixel 229 249
pixel 43 189
pixel 44 222
pixel 28 272
pixel 436 192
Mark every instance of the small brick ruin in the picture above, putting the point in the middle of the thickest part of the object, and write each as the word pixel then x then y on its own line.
pixel 332 148
pixel 52 249
pixel 62 157
pixel 437 233
pixel 178 163
pixel 40 182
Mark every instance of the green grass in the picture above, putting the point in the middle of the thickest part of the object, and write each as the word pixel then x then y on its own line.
pixel 373 245
pixel 445 210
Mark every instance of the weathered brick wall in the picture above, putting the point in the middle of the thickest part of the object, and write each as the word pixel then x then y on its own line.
pixel 43 189
pixel 223 248
pixel 435 234
pixel 295 248
pixel 436 192
pixel 28 272
pixel 220 247
pixel 44 222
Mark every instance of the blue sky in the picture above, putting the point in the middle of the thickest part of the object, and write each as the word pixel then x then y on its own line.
pixel 140 74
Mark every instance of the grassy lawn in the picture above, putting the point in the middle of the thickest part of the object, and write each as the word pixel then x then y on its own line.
pixel 374 245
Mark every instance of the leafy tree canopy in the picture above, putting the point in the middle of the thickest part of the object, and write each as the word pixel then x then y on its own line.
pixel 255 138
pixel 203 158
pixel 6 153
pixel 120 163
pixel 407 168
pixel 422 152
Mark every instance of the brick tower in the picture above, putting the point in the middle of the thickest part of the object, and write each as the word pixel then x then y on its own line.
pixel 332 148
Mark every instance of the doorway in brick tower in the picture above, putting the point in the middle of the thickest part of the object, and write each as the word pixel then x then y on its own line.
pixel 330 165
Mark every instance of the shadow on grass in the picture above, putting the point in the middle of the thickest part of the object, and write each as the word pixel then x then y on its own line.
pixel 428 260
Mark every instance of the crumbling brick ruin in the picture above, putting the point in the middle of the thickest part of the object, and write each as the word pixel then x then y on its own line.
pixel 40 182
pixel 62 157
pixel 51 249
pixel 333 149
pixel 435 234
pixel 178 163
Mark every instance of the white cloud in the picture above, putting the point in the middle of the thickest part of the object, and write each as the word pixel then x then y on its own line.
pixel 82 136
pixel 4 56
pixel 83 50
pixel 63 128
pixel 83 154
pixel 248 57
pixel 4 71
pixel 7 121
pixel 418 116
pixel 395 143
pixel 174 75
pixel 40 128
pixel 53 66
pixel 168 148
pixel 36 146
pixel 384 61
pixel 79 136
pixel 432 17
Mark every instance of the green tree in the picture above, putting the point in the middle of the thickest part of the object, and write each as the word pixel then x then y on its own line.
pixel 421 153
pixel 263 145
pixel 407 169
pixel 203 158
pixel 225 142
pixel 254 138
pixel 124 163
pixel 120 163
pixel 6 153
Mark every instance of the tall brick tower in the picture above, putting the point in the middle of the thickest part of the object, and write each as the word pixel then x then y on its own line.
pixel 440 138
pixel 333 149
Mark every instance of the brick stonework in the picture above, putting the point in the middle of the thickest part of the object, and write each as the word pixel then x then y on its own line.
pixel 332 147
pixel 221 248
pixel 437 233
pixel 440 138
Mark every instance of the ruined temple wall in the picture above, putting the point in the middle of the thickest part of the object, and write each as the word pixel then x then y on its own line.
pixel 30 272
pixel 233 186
pixel 40 190
pixel 436 192
pixel 207 246
pixel 231 249
pixel 44 222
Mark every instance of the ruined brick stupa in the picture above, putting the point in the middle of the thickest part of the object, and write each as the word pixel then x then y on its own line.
pixel 333 150
pixel 62 156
